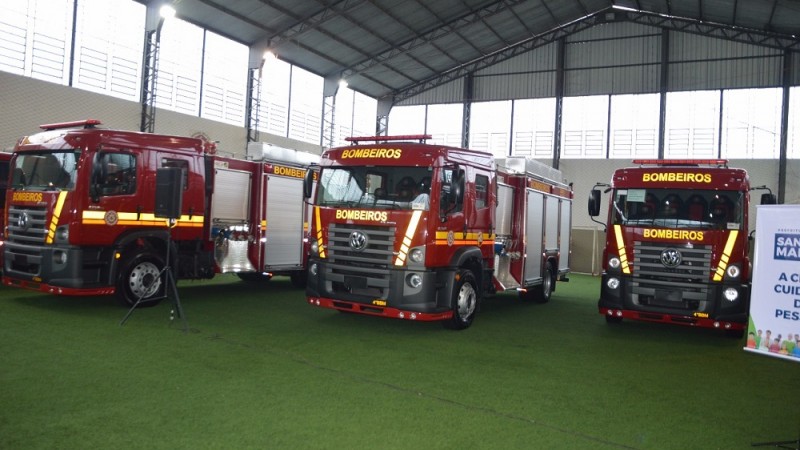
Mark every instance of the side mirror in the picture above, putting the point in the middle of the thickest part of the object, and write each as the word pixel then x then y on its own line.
pixel 308 183
pixel 768 199
pixel 594 203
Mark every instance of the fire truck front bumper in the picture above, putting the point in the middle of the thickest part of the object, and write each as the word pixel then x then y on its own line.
pixel 51 269
pixel 623 298
pixel 395 293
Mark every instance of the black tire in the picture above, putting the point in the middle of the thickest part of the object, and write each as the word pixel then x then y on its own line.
pixel 542 292
pixel 254 277
pixel 299 279
pixel 141 277
pixel 464 302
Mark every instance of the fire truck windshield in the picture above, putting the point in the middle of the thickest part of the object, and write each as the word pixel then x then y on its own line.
pixel 383 187
pixel 45 170
pixel 678 208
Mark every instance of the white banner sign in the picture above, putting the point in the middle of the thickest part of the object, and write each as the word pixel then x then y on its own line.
pixel 774 328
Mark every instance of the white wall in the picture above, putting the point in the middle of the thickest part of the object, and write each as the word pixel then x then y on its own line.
pixel 28 103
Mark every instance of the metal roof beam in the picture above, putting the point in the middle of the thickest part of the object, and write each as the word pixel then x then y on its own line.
pixel 429 37
pixel 717 30
pixel 313 22
pixel 501 55
pixel 736 34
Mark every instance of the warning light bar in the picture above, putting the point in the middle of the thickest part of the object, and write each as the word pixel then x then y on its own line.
pixel 88 123
pixel 404 137
pixel 682 162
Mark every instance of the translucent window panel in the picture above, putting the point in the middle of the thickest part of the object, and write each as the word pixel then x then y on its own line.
pixel 305 119
pixel 534 127
pixel 407 120
pixel 224 80
pixel 634 126
pixel 343 116
pixel 109 41
pixel 489 127
pixel 179 67
pixel 692 124
pixel 445 124
pixel 365 115
pixel 276 76
pixel 793 141
pixel 35 38
pixel 583 127
pixel 751 123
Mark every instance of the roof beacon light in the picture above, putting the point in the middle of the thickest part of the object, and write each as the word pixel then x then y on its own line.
pixel 682 162
pixel 405 137
pixel 88 123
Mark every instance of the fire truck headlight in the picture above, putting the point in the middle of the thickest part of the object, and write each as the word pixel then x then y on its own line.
pixel 733 271
pixel 314 247
pixel 414 280
pixel 62 234
pixel 613 262
pixel 313 269
pixel 731 294
pixel 416 255
pixel 612 283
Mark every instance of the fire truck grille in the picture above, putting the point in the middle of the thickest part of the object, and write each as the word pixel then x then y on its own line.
pixel 360 270
pixel 27 225
pixel 664 278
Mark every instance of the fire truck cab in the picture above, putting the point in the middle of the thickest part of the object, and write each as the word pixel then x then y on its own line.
pixel 677 247
pixel 414 231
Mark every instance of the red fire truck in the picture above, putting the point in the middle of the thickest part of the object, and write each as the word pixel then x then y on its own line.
pixel 677 247
pixel 81 217
pixel 416 231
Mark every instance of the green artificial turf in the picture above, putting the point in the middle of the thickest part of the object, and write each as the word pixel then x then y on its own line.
pixel 260 368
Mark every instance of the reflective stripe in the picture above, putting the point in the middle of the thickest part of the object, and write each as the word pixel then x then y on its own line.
pixel 318 223
pixel 412 228
pixel 623 256
pixel 56 214
pixel 140 219
pixel 726 255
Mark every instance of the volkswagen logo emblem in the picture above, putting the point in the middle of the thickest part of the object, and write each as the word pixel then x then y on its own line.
pixel 671 257
pixel 358 241
pixel 23 221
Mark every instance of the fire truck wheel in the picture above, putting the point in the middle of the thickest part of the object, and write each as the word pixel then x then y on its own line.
pixel 139 277
pixel 464 301
pixel 542 292
pixel 254 277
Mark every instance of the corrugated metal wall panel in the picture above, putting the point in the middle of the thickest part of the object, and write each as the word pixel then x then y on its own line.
pixel 613 30
pixel 726 74
pixel 613 52
pixel 795 68
pixel 612 80
pixel 452 92
pixel 692 47
pixel 542 58
pixel 624 58
pixel 515 86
